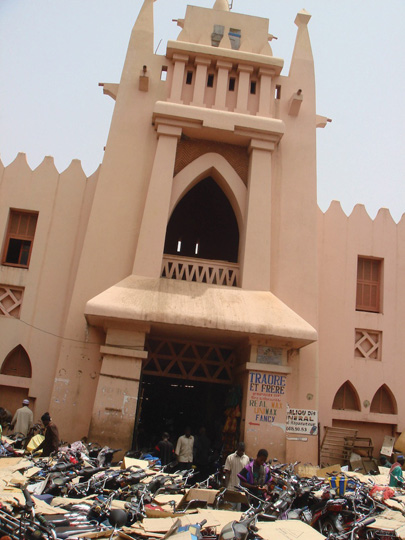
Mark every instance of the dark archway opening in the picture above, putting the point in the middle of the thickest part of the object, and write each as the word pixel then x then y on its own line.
pixel 170 405
pixel 203 225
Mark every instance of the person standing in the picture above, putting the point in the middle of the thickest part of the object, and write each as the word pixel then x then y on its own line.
pixel 233 465
pixel 51 442
pixel 396 478
pixel 256 475
pixel 184 450
pixel 23 419
pixel 202 449
pixel 165 450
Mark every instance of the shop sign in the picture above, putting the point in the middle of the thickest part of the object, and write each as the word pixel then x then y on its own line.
pixel 303 421
pixel 266 396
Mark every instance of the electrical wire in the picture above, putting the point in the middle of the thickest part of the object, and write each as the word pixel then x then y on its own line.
pixel 133 347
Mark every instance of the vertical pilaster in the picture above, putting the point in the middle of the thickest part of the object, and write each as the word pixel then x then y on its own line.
pixel 149 251
pixel 202 65
pixel 265 97
pixel 222 84
pixel 114 410
pixel 178 77
pixel 257 240
pixel 243 88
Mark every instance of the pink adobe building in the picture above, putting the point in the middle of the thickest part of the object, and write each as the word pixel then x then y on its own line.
pixel 192 278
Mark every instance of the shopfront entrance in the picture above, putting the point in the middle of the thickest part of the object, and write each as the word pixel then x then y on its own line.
pixel 184 384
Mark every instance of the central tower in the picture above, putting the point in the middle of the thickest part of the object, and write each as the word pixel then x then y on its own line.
pixel 203 226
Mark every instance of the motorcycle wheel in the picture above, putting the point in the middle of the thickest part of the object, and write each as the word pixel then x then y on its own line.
pixel 328 527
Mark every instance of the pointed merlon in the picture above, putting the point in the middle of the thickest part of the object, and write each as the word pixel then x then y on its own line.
pixel 76 166
pixel 384 214
pixel 360 211
pixel 302 18
pixel 47 162
pixel 142 35
pixel 302 59
pixel 335 210
pixel 221 5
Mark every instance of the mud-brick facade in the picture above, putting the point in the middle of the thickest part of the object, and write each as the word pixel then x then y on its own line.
pixel 200 232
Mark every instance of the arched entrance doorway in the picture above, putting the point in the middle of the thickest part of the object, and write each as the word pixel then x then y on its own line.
pixel 184 384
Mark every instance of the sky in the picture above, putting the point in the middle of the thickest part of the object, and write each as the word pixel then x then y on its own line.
pixel 53 54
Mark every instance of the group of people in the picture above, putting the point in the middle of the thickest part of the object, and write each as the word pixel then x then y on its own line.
pixel 189 450
pixel 23 421
pixel 239 469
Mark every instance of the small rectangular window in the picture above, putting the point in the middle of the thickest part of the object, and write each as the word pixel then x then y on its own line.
pixel 19 238
pixel 232 81
pixel 210 80
pixel 189 77
pixel 277 93
pixel 253 87
pixel 163 73
pixel 369 281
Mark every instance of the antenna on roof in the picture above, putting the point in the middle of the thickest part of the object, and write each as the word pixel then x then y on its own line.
pixel 158 46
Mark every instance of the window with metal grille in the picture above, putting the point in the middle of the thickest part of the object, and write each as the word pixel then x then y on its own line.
pixel 368 294
pixel 19 238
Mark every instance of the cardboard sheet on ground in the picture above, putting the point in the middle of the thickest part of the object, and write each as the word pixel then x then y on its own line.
pixel 287 530
pixel 165 499
pixel 386 524
pixel 221 517
pixel 393 514
pixel 6 462
pixel 394 505
pixel 12 480
pixel 162 525
pixel 41 507
pixel 199 494
pixel 131 462
pixel 64 501
pixel 136 530
pixel 378 479
pixel 164 511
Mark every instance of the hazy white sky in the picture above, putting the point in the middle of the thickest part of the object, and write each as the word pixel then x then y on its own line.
pixel 53 54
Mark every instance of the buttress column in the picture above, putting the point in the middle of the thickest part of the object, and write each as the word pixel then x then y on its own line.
pixel 257 239
pixel 149 251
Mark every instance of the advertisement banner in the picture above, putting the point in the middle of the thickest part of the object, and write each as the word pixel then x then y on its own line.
pixel 302 421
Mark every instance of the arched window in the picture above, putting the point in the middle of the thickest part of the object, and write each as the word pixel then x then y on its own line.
pixel 384 401
pixel 17 363
pixel 346 398
pixel 203 225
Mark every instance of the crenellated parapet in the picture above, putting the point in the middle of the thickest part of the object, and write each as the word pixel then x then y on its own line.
pixel 60 203
pixel 359 212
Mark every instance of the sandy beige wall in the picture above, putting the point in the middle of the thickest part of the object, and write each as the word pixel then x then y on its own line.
pixel 341 240
pixel 63 201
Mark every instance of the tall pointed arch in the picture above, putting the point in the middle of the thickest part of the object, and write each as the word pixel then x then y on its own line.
pixel 217 167
pixel 203 225
pixel 384 401
pixel 346 398
pixel 17 363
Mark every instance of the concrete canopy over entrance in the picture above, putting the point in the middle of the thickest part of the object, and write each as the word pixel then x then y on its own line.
pixel 181 303
pixel 139 306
